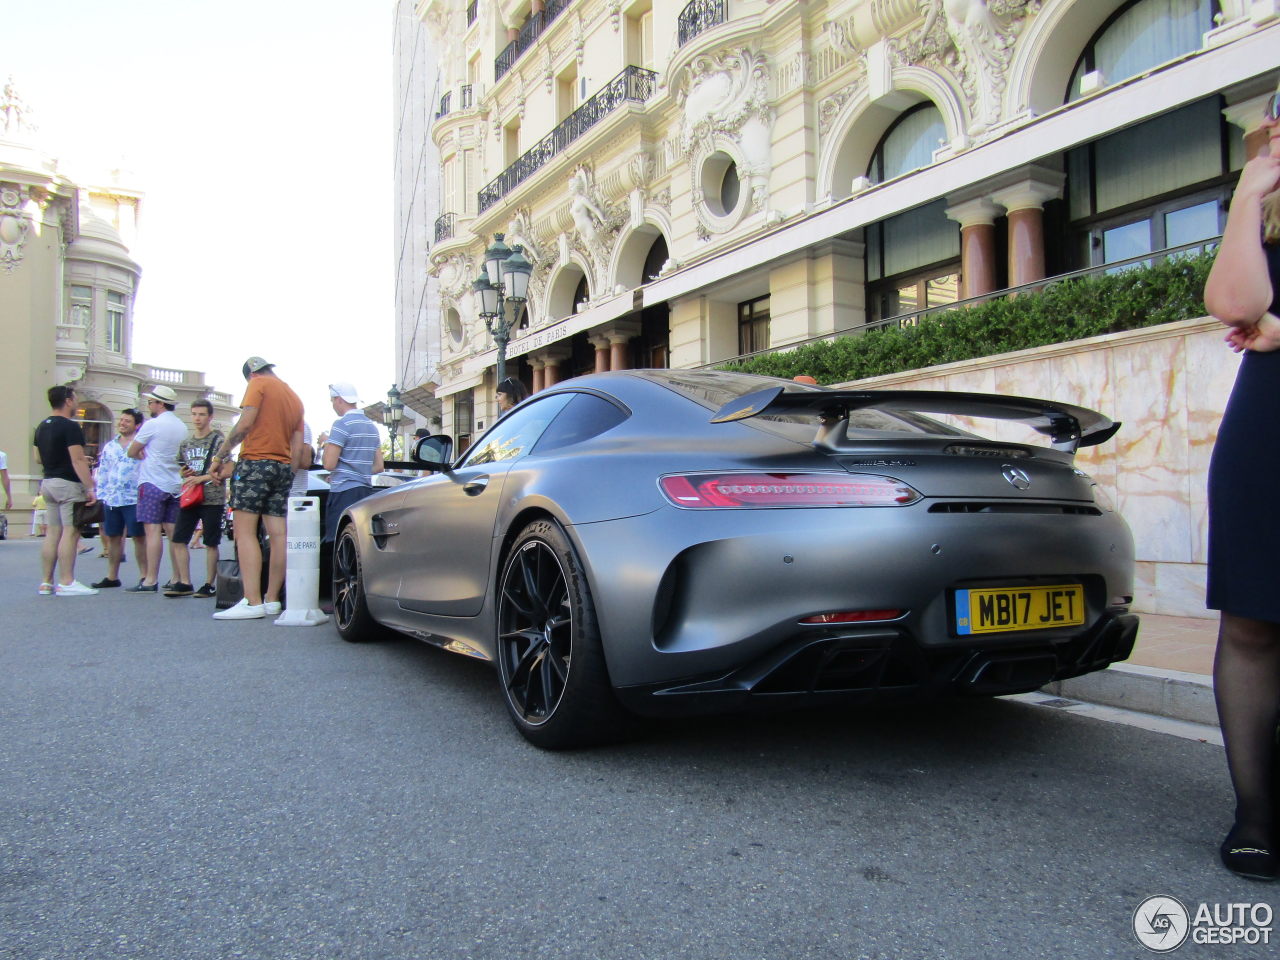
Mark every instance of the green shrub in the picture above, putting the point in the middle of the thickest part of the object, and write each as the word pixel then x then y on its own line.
pixel 1171 290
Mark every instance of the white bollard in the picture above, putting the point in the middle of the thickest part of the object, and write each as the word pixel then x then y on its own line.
pixel 302 565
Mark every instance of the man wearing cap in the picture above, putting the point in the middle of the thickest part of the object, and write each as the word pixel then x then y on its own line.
pixel 351 452
pixel 270 427
pixel 159 480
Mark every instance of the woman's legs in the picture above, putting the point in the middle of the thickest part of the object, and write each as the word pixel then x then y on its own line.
pixel 1246 683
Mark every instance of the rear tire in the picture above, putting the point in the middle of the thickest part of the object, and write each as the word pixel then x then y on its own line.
pixel 550 659
pixel 350 607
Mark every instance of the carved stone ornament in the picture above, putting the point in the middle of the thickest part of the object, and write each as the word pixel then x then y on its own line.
pixel 973 41
pixel 595 225
pixel 830 107
pixel 15 114
pixel 520 234
pixel 725 97
pixel 14 225
pixel 456 273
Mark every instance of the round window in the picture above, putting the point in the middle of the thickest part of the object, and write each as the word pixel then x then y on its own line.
pixel 454 324
pixel 721 185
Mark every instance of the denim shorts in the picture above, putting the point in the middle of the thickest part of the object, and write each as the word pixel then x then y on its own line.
pixel 118 520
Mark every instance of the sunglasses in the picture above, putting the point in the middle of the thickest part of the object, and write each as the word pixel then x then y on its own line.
pixel 1273 107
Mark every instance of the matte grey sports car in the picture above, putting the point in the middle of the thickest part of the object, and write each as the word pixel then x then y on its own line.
pixel 668 541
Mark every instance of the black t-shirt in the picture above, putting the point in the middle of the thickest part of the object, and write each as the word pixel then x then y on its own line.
pixel 53 437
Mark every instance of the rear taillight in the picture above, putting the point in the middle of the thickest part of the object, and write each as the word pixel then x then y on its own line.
pixel 707 490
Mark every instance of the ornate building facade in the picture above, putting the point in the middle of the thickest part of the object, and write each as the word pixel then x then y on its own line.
pixel 698 181
pixel 67 289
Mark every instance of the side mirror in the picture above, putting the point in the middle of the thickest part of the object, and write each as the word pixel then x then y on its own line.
pixel 434 452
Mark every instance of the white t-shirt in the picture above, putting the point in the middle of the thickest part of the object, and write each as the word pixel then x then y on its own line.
pixel 4 460
pixel 162 436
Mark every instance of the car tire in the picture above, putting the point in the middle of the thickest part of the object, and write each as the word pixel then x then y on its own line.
pixel 350 607
pixel 550 659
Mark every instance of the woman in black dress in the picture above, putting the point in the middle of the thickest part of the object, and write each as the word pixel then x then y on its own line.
pixel 1243 291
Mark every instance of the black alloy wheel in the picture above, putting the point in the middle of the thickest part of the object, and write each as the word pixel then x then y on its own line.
pixel 550 660
pixel 350 609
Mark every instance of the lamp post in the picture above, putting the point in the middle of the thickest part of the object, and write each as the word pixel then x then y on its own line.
pixel 391 415
pixel 504 279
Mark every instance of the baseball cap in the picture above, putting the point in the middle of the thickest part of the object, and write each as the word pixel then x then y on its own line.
pixel 344 390
pixel 162 393
pixel 255 365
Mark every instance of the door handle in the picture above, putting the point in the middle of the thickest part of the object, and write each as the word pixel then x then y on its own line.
pixel 475 487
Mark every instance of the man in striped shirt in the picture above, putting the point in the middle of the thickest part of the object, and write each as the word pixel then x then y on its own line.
pixel 351 452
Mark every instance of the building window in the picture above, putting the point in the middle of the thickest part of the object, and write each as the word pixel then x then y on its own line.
pixel 581 295
pixel 80 309
pixel 1140 36
pixel 913 262
pixel 909 143
pixel 753 325
pixel 115 321
pixel 1162 183
pixel 463 419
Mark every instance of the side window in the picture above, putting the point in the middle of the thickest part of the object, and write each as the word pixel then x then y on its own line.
pixel 514 435
pixel 586 416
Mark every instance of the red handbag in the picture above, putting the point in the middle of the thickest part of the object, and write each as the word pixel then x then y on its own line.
pixel 192 495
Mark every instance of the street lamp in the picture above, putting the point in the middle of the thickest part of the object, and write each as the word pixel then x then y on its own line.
pixel 504 279
pixel 391 415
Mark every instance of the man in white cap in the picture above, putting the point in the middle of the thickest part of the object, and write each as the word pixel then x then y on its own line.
pixel 351 452
pixel 160 480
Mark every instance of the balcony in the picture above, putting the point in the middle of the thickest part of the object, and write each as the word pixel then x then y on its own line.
pixel 632 85
pixel 698 16
pixel 465 101
pixel 527 37
pixel 472 9
pixel 444 227
pixel 444 105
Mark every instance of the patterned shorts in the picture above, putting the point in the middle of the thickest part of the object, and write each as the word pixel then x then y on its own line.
pixel 156 506
pixel 262 487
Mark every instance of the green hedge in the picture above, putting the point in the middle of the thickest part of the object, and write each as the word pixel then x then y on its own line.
pixel 1068 310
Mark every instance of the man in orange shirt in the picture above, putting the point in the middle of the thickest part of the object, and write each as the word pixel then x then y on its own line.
pixel 270 426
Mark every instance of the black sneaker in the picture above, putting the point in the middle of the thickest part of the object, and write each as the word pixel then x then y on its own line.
pixel 178 589
pixel 141 587
pixel 206 591
pixel 104 583
pixel 169 585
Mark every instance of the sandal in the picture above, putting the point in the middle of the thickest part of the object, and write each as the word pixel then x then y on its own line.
pixel 1246 860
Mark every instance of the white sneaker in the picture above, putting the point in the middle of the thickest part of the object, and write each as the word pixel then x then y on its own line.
pixel 74 589
pixel 243 610
pixel 272 607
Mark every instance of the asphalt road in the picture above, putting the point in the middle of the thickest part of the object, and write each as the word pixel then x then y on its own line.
pixel 174 786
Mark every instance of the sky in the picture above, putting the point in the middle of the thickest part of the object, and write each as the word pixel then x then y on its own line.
pixel 260 133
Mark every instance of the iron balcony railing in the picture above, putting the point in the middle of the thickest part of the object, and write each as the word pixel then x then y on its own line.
pixel 444 105
pixel 472 9
pixel 527 37
pixel 700 15
pixel 1035 286
pixel 464 97
pixel 632 85
pixel 444 227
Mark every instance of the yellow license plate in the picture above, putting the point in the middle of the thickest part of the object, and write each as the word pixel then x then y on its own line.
pixel 1019 608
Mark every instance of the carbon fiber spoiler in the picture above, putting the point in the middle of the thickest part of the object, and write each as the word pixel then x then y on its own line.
pixel 1066 425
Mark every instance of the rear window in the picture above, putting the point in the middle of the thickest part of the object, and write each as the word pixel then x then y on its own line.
pixel 713 389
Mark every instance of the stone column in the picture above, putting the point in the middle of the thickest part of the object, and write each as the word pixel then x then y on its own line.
pixel 539 381
pixel 618 359
pixel 1025 205
pixel 977 219
pixel 551 372
pixel 602 353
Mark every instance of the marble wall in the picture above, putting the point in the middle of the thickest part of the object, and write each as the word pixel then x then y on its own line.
pixel 1168 385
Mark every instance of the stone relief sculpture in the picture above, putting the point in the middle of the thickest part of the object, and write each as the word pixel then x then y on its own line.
pixel 726 95
pixel 14 225
pixel 14 111
pixel 520 234
pixel 585 212
pixel 973 40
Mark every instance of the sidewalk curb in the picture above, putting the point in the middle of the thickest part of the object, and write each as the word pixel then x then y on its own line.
pixel 1163 693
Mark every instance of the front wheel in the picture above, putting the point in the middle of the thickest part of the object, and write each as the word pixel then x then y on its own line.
pixel 550 658
pixel 350 608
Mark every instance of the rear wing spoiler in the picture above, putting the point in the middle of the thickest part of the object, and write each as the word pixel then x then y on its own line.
pixel 1066 425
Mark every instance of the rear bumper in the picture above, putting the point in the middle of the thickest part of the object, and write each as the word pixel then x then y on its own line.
pixel 885 664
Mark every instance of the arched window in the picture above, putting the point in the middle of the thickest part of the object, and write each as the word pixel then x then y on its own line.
pixel 1140 36
pixel 909 144
pixel 581 295
pixel 654 260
